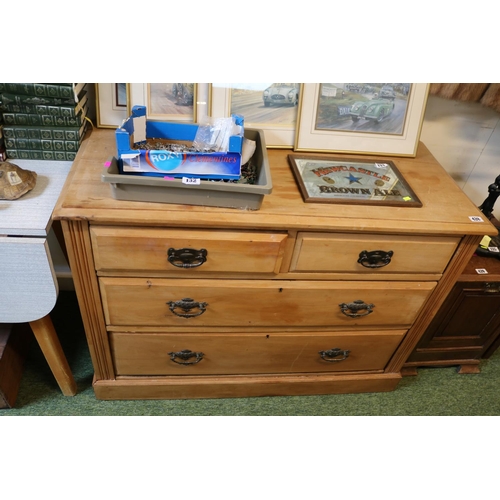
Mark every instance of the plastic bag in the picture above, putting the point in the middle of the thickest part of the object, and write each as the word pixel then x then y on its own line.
pixel 213 134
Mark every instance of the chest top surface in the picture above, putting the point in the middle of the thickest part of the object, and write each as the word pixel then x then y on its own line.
pixel 446 209
pixel 31 214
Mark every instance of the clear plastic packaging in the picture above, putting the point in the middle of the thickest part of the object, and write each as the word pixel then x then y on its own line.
pixel 213 134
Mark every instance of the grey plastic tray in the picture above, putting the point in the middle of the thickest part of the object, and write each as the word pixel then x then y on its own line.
pixel 207 193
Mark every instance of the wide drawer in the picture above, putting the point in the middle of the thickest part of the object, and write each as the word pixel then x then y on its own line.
pixel 180 250
pixel 205 302
pixel 240 353
pixel 365 253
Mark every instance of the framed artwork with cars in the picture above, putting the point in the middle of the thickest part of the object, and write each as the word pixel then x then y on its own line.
pixel 371 118
pixel 271 107
pixel 170 101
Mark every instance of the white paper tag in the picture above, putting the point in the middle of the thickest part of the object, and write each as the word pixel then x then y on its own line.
pixel 476 218
pixel 481 271
pixel 14 179
pixel 493 249
pixel 191 180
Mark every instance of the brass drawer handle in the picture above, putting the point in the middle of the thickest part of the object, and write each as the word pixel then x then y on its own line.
pixel 185 356
pixel 332 355
pixel 187 257
pixel 186 305
pixel 352 309
pixel 377 258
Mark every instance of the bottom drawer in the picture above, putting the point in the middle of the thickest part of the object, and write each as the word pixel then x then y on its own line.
pixel 251 353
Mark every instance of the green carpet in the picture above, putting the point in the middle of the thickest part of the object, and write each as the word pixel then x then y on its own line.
pixel 434 392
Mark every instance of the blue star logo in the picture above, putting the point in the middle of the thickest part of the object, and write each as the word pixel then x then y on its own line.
pixel 353 179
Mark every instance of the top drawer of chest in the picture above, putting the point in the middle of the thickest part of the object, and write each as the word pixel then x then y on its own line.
pixel 129 249
pixel 372 253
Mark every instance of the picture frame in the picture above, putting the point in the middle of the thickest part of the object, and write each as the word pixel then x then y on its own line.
pixel 361 118
pixel 332 179
pixel 183 102
pixel 121 95
pixel 271 107
pixel 111 104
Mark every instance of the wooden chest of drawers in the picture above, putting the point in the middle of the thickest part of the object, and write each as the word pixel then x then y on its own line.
pixel 181 301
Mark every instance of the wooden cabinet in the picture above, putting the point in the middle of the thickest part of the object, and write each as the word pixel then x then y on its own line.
pixel 184 301
pixel 467 327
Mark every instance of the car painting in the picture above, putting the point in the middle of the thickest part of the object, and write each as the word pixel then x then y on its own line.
pixel 183 93
pixel 170 101
pixel 376 110
pixel 281 93
pixel 379 108
pixel 387 92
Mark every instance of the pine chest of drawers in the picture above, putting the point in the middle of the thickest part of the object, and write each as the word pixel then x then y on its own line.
pixel 183 301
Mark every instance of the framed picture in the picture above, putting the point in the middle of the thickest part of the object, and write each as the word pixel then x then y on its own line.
pixel 170 101
pixel 271 107
pixel 366 118
pixel 121 94
pixel 111 104
pixel 327 179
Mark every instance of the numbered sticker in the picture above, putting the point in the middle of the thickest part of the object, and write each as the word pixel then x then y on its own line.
pixel 481 271
pixel 13 178
pixel 476 218
pixel 191 180
pixel 381 165
pixel 493 249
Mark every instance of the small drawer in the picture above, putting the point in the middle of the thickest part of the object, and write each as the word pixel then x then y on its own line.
pixel 239 303
pixel 381 254
pixel 182 250
pixel 245 353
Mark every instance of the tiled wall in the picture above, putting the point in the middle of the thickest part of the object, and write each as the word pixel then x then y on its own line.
pixel 465 139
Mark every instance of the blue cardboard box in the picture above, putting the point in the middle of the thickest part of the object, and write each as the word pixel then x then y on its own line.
pixel 161 163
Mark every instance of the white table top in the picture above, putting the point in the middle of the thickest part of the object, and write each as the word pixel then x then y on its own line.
pixel 28 285
pixel 31 214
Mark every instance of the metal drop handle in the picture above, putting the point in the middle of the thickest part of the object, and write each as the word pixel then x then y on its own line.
pixel 184 356
pixel 187 257
pixel 332 355
pixel 353 309
pixel 183 307
pixel 375 259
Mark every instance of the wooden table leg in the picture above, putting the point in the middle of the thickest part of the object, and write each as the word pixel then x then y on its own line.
pixel 48 341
